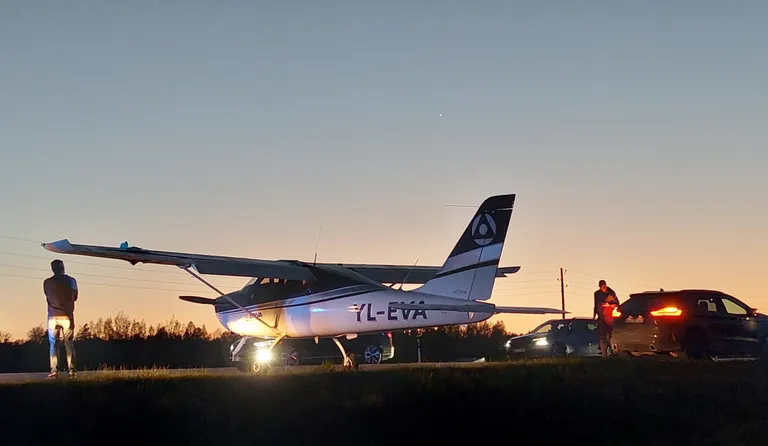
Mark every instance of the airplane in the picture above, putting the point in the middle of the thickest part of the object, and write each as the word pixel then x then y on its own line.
pixel 299 299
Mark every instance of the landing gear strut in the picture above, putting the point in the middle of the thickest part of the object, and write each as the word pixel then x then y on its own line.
pixel 348 360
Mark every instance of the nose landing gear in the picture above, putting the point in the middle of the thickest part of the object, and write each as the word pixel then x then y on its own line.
pixel 348 360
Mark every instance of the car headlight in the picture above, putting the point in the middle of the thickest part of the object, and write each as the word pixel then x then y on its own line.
pixel 507 344
pixel 263 355
pixel 541 342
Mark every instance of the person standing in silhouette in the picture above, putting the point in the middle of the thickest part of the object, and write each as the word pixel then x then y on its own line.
pixel 61 293
pixel 605 302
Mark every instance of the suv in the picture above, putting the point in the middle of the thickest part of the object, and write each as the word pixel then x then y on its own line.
pixel 557 337
pixel 372 349
pixel 692 323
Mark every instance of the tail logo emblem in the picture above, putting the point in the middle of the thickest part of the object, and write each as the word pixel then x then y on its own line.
pixel 483 229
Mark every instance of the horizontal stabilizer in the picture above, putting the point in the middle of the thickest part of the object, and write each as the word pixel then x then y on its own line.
pixel 530 310
pixel 198 300
pixel 477 307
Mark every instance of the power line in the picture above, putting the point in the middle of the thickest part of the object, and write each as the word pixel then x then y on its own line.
pixel 616 280
pixel 524 290
pixel 512 282
pixel 122 267
pixel 79 262
pixel 523 294
pixel 532 272
pixel 21 239
pixel 106 284
pixel 101 275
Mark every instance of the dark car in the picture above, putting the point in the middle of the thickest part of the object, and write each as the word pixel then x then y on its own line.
pixel 368 349
pixel 557 337
pixel 692 323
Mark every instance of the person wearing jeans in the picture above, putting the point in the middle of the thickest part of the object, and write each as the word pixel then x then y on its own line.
pixel 61 293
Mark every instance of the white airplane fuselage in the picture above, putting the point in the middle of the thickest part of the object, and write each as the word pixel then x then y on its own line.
pixel 295 299
pixel 368 311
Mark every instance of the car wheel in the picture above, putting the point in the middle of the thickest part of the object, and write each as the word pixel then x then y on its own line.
pixel 694 345
pixel 559 349
pixel 291 359
pixel 372 354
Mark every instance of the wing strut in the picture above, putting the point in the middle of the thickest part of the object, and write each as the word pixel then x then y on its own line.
pixel 280 333
pixel 197 276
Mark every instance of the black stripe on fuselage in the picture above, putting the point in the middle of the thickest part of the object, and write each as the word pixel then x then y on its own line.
pixel 278 306
pixel 466 268
pixel 232 308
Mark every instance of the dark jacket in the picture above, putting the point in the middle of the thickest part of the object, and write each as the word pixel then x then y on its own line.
pixel 61 293
pixel 601 297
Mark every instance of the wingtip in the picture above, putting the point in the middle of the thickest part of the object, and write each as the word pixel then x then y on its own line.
pixel 59 246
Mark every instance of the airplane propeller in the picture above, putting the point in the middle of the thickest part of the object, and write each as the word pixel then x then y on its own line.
pixel 198 300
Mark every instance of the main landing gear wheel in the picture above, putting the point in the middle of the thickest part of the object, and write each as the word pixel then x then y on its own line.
pixel 372 354
pixel 252 366
pixel 559 349
pixel 348 360
pixel 255 367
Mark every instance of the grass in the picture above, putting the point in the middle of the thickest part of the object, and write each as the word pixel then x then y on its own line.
pixel 580 402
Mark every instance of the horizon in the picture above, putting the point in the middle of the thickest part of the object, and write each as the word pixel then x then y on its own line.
pixel 633 135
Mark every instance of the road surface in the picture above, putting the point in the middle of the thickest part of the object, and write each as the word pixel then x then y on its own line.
pixel 10 378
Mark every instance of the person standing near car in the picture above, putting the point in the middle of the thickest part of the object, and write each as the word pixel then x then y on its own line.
pixel 61 293
pixel 605 302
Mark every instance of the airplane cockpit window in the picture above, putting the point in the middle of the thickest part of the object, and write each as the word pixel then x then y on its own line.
pixel 268 289
pixel 330 277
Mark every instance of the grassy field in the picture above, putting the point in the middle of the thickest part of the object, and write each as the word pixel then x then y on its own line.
pixel 578 402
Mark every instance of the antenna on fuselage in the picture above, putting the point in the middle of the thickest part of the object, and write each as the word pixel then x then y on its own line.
pixel 409 273
pixel 317 245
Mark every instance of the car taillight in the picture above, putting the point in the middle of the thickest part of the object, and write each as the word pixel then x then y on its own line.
pixel 616 312
pixel 667 311
pixel 389 334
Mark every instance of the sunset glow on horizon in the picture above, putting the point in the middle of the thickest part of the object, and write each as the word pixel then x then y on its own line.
pixel 633 136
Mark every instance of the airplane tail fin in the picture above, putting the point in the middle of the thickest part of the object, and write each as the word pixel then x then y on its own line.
pixel 470 270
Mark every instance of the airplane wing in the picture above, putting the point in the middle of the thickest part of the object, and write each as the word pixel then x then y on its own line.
pixel 204 264
pixel 245 267
pixel 477 307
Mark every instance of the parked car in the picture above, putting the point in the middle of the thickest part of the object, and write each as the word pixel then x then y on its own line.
pixel 690 323
pixel 557 337
pixel 368 349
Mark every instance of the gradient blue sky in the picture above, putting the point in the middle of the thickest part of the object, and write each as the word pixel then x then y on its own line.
pixel 634 134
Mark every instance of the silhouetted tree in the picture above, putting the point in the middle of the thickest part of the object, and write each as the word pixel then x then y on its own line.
pixel 37 335
pixel 120 341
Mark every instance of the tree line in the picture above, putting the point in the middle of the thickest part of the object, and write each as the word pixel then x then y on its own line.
pixel 122 342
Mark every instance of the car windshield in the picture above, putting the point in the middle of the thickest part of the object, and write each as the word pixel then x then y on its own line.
pixel 583 325
pixel 543 328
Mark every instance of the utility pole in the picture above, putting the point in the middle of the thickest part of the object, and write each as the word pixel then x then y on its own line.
pixel 562 291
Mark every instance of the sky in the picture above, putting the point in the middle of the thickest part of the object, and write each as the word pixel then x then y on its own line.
pixel 633 134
